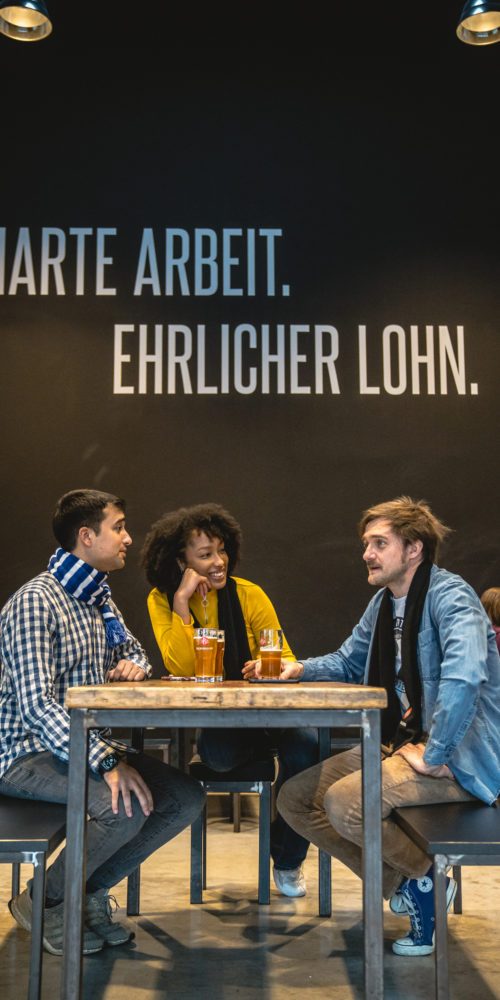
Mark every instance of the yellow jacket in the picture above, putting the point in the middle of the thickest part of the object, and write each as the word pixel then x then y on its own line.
pixel 175 639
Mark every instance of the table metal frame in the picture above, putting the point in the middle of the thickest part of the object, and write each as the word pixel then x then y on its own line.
pixel 84 719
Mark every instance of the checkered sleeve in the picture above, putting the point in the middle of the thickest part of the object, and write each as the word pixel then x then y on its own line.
pixel 131 649
pixel 32 646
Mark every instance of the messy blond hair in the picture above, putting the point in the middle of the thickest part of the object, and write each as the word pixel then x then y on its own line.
pixel 412 520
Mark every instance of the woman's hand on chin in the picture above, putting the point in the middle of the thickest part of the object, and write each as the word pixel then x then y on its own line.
pixel 191 582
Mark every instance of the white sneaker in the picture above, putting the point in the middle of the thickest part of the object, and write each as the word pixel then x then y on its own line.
pixel 290 881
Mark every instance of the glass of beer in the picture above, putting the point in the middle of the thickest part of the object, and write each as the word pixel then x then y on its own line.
pixel 271 646
pixel 205 653
pixel 219 656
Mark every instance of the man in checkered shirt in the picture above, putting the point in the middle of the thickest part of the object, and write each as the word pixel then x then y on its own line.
pixel 59 630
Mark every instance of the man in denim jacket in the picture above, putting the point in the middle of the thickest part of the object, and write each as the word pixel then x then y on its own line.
pixel 426 638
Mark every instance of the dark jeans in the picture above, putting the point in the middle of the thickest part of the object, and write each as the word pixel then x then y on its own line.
pixel 223 749
pixel 116 844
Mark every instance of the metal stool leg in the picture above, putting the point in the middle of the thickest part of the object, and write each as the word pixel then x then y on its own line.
pixel 264 842
pixel 204 847
pixel 137 739
pixel 134 893
pixel 325 884
pixel 197 858
pixel 457 875
pixel 16 878
pixel 236 811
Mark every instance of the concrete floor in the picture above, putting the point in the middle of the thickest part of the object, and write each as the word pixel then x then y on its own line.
pixel 231 947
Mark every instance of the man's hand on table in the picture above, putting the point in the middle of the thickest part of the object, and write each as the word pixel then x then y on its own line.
pixel 289 669
pixel 123 780
pixel 127 670
pixel 414 755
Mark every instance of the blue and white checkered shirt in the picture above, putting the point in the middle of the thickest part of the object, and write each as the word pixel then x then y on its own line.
pixel 49 642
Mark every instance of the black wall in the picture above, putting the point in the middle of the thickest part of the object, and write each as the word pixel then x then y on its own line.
pixel 376 157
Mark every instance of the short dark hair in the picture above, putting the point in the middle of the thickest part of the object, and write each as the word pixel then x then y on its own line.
pixel 166 541
pixel 412 520
pixel 80 508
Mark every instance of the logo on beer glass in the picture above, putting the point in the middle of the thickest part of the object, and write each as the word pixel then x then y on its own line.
pixel 205 653
pixel 271 647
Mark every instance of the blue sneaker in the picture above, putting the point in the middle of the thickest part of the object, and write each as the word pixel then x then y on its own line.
pixel 418 894
pixel 397 903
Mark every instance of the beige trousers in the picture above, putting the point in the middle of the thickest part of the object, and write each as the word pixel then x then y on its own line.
pixel 324 804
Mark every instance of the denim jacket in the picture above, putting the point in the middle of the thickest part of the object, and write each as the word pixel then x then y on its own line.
pixel 459 668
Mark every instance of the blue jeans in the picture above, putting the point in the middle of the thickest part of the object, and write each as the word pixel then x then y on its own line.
pixel 224 749
pixel 116 844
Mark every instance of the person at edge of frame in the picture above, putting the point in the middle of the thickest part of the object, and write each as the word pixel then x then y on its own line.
pixel 59 630
pixel 490 599
pixel 426 639
pixel 189 556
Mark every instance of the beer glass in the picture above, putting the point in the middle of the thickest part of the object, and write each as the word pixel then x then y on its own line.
pixel 271 646
pixel 219 656
pixel 205 652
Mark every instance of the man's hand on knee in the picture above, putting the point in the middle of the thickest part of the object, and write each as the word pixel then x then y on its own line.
pixel 414 756
pixel 123 780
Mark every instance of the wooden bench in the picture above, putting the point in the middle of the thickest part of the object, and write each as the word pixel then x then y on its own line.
pixel 29 832
pixel 452 834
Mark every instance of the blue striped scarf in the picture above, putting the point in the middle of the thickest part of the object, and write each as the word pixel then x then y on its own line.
pixel 89 586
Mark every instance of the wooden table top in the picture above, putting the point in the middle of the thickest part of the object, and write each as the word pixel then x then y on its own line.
pixel 229 694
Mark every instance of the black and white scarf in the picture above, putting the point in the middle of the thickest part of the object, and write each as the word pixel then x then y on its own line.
pixel 89 586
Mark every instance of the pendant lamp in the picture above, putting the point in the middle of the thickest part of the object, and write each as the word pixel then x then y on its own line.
pixel 480 22
pixel 24 20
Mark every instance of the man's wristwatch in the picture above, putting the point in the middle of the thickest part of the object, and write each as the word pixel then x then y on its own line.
pixel 108 763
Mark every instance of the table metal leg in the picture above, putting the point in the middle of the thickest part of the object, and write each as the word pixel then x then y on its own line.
pixel 264 843
pixel 38 903
pixel 75 857
pixel 372 856
pixel 324 859
pixel 441 931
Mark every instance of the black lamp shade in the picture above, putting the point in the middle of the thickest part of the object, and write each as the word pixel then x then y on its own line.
pixel 24 20
pixel 480 22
